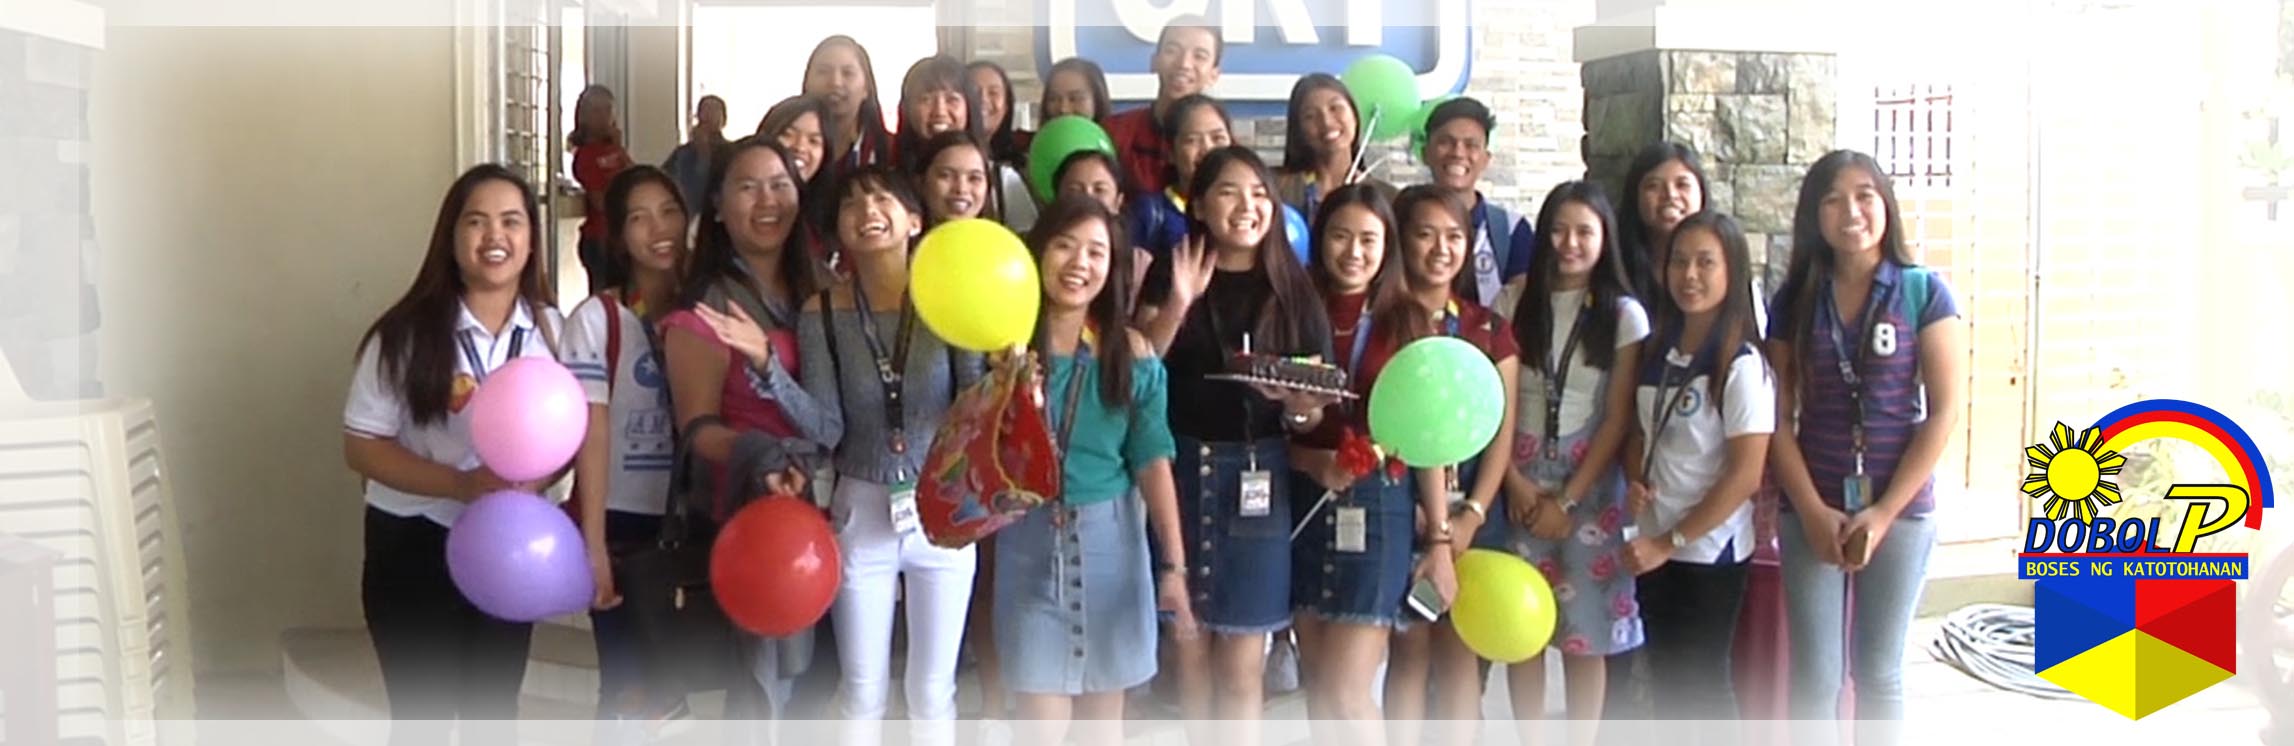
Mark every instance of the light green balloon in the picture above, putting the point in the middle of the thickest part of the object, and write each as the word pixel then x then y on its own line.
pixel 1438 403
pixel 1384 89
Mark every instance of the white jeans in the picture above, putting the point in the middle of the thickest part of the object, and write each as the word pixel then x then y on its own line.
pixel 939 596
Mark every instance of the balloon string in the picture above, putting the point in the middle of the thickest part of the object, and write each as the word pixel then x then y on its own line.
pixel 1362 147
pixel 1310 512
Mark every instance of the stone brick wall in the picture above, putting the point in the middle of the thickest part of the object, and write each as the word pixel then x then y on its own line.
pixel 47 296
pixel 1757 119
pixel 1522 68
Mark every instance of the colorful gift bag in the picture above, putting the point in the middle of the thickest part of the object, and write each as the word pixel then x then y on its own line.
pixel 993 459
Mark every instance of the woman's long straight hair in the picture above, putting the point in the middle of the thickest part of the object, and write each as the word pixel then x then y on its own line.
pixel 1003 141
pixel 1102 104
pixel 618 273
pixel 1641 262
pixel 1298 155
pixel 1736 324
pixel 1401 317
pixel 1812 256
pixel 1388 280
pixel 992 204
pixel 1533 317
pixel 1111 310
pixel 873 138
pixel 415 336
pixel 716 260
pixel 1293 318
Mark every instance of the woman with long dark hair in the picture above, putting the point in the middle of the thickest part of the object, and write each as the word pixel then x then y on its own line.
pixel 1870 349
pixel 730 352
pixel 622 475
pixel 1234 286
pixel 1321 143
pixel 1074 596
pixel 1564 505
pixel 840 74
pixel 1666 183
pixel 1346 587
pixel 1434 225
pixel 995 87
pixel 1705 404
pixel 478 302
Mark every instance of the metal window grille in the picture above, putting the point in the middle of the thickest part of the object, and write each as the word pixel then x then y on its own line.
pixel 1912 133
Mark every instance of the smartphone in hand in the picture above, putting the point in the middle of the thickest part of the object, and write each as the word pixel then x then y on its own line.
pixel 1857 548
pixel 1425 600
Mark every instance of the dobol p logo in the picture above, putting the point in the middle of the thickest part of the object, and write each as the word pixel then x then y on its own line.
pixel 2130 615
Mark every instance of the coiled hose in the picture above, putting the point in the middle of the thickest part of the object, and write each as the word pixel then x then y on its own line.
pixel 1993 643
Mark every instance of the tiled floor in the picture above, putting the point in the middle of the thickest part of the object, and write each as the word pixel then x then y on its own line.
pixel 1940 699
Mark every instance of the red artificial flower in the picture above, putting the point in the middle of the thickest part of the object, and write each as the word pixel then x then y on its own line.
pixel 1356 455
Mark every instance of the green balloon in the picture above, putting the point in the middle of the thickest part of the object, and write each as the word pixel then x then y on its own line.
pixel 1438 403
pixel 1060 138
pixel 1386 91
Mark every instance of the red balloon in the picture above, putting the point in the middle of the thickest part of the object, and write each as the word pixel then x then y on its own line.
pixel 775 567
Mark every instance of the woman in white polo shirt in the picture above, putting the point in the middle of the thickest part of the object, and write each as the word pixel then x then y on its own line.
pixel 1705 407
pixel 477 302
pixel 621 478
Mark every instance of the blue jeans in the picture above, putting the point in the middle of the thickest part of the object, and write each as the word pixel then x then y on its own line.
pixel 1827 609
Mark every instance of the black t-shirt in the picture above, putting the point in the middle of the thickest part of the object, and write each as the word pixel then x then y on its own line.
pixel 1229 411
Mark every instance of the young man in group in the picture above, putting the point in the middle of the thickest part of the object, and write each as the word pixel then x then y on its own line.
pixel 1456 149
pixel 1186 62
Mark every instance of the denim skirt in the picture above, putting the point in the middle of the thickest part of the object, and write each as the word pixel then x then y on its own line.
pixel 1355 587
pixel 1238 567
pixel 1075 600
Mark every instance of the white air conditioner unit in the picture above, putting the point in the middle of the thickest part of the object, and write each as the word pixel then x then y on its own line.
pixel 85 479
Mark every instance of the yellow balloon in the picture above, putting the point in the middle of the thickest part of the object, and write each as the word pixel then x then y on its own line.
pixel 975 285
pixel 1505 610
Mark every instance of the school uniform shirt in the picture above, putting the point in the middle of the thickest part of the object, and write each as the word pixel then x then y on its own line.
pixel 1686 457
pixel 1895 401
pixel 1503 245
pixel 635 392
pixel 376 409
pixel 1584 393
pixel 1140 147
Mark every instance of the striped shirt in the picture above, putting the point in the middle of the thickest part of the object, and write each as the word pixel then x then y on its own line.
pixel 1895 402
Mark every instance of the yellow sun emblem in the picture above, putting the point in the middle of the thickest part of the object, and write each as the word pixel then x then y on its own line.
pixel 2073 476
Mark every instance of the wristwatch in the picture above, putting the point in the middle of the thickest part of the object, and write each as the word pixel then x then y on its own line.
pixel 1469 504
pixel 1675 538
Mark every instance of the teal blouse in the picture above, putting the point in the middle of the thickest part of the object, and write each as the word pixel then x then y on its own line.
pixel 1109 443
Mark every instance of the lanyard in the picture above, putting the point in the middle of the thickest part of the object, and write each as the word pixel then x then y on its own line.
pixel 1853 361
pixel 478 369
pixel 1074 395
pixel 1486 273
pixel 1557 376
pixel 1671 395
pixel 893 370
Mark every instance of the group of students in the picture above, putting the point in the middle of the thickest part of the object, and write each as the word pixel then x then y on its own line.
pixel 759 306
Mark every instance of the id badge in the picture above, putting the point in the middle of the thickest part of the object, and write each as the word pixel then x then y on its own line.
pixel 904 517
pixel 1855 492
pixel 1258 493
pixel 1353 530
pixel 824 486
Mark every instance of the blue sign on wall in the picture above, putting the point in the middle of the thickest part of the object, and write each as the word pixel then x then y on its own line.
pixel 1269 43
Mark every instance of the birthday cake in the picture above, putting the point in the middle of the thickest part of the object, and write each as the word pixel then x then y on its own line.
pixel 1304 374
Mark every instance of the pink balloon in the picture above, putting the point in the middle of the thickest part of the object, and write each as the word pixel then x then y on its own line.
pixel 528 419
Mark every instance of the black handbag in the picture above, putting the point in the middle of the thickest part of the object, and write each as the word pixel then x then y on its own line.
pixel 684 640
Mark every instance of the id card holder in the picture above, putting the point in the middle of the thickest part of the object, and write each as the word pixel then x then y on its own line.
pixel 824 486
pixel 1456 493
pixel 1257 494
pixel 1353 530
pixel 1856 492
pixel 904 516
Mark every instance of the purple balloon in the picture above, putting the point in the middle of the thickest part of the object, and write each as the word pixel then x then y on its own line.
pixel 527 420
pixel 519 558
